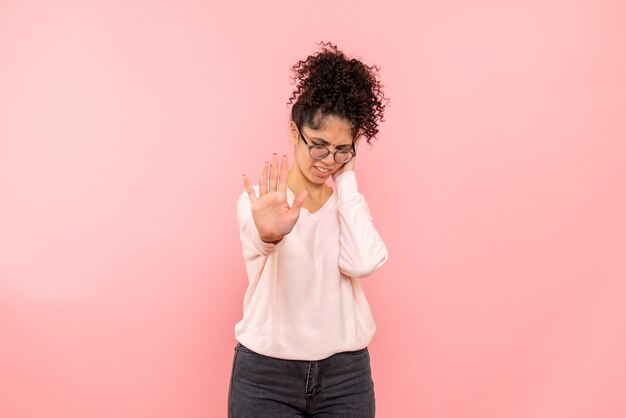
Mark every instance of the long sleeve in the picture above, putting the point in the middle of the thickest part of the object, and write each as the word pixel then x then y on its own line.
pixel 362 250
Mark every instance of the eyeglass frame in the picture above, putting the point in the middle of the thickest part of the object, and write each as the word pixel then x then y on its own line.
pixel 352 151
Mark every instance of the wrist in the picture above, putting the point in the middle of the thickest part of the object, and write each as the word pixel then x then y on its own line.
pixel 342 171
pixel 271 239
pixel 349 173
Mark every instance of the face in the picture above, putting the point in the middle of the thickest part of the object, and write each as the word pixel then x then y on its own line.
pixel 335 134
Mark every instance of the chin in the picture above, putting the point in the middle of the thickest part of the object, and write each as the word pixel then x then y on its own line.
pixel 318 180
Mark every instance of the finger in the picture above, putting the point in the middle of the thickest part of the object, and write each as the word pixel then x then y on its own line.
pixel 263 180
pixel 249 188
pixel 284 175
pixel 356 146
pixel 299 200
pixel 273 173
pixel 350 165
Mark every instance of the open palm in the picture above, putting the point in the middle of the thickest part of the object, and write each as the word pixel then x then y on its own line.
pixel 272 215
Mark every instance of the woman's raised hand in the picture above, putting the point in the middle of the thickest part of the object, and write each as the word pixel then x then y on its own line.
pixel 272 215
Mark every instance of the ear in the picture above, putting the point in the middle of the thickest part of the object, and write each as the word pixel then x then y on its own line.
pixel 293 133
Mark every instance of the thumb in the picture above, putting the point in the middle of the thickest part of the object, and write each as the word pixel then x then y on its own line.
pixel 299 200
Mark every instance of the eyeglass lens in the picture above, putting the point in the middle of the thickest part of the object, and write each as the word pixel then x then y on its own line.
pixel 318 152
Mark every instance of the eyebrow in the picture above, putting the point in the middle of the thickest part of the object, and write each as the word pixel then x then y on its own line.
pixel 325 142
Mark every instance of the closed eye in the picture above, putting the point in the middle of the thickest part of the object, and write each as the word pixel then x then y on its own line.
pixel 342 148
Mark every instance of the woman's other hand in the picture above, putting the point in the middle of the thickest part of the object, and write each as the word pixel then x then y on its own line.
pixel 349 166
pixel 272 215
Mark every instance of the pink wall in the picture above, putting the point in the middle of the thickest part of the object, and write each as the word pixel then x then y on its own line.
pixel 498 184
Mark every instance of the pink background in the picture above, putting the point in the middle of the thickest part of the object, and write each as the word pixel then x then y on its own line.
pixel 498 183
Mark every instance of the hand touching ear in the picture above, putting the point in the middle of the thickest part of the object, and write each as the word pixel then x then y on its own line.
pixel 349 166
pixel 272 215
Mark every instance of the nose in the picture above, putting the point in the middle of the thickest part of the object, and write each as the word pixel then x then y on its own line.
pixel 329 160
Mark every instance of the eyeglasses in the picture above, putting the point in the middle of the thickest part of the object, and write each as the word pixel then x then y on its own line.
pixel 319 152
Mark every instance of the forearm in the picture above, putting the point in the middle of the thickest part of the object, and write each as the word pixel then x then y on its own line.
pixel 362 249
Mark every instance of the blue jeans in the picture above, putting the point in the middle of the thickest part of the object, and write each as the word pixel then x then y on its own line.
pixel 266 387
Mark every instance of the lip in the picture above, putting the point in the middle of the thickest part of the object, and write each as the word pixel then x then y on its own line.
pixel 321 173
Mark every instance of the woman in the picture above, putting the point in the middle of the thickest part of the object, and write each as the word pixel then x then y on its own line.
pixel 302 341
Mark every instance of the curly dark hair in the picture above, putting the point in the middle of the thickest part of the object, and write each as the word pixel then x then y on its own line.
pixel 330 84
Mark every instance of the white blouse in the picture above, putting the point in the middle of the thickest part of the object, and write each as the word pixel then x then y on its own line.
pixel 304 299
